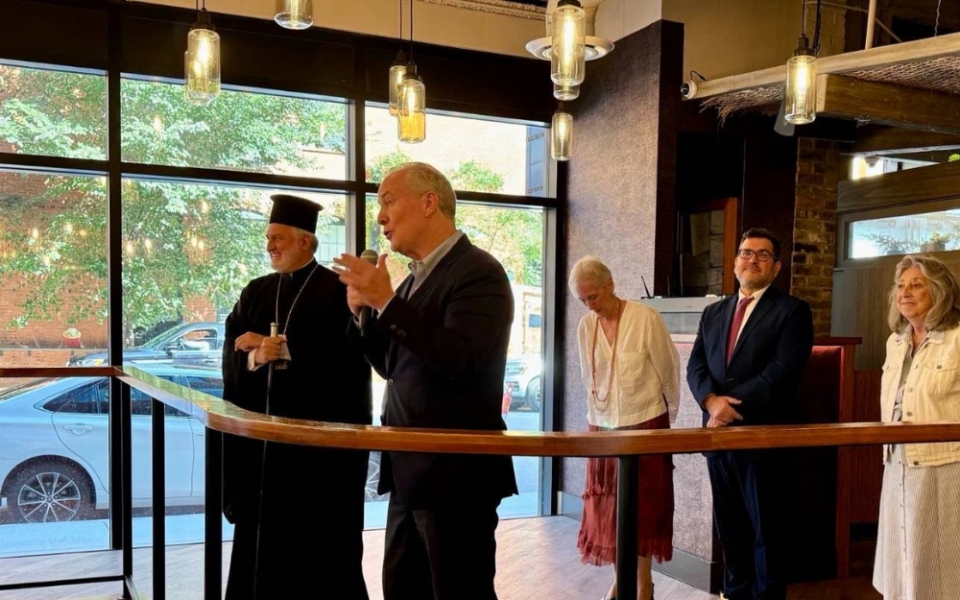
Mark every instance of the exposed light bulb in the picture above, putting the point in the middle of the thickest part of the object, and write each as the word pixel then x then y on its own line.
pixel 566 92
pixel 561 135
pixel 412 113
pixel 202 63
pixel 397 72
pixel 294 14
pixel 800 89
pixel 568 47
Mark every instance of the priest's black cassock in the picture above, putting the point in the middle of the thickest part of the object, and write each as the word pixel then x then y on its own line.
pixel 312 504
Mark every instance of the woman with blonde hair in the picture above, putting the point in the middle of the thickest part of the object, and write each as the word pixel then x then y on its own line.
pixel 631 371
pixel 918 544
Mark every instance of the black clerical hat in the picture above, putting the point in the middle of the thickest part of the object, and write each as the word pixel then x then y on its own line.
pixel 295 212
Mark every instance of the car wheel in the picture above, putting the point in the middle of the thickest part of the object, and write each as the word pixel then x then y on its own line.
pixel 50 492
pixel 533 395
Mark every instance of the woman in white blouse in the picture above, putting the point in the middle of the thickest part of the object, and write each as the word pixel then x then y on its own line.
pixel 631 371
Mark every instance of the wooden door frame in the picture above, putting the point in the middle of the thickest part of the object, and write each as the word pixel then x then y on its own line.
pixel 731 236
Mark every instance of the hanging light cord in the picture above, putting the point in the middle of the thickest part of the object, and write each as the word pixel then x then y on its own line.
pixel 936 26
pixel 816 30
pixel 803 17
pixel 401 20
pixel 411 30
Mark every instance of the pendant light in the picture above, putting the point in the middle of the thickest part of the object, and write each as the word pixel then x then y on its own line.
pixel 568 48
pixel 412 115
pixel 800 92
pixel 800 89
pixel 566 92
pixel 294 14
pixel 412 100
pixel 201 62
pixel 561 135
pixel 397 71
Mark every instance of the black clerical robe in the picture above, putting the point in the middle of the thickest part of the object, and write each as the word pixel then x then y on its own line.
pixel 312 502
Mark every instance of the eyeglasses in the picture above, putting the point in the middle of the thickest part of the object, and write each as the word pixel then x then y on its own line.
pixel 762 255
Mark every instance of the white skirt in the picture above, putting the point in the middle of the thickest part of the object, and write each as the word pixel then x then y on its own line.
pixel 918 543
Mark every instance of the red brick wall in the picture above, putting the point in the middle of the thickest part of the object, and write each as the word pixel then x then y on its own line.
pixel 815 228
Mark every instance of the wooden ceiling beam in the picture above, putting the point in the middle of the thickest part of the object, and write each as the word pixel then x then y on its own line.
pixel 926 184
pixel 879 140
pixel 888 104
pixel 874 58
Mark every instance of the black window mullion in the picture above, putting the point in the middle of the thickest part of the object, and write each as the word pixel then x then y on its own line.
pixel 244 178
pixel 61 165
pixel 115 282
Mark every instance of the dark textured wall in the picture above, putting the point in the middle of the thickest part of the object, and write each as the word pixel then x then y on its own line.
pixel 612 192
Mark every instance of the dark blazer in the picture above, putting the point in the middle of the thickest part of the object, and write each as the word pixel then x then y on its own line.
pixel 443 353
pixel 767 363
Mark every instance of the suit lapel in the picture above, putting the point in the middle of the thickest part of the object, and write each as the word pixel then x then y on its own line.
pixel 402 292
pixel 436 275
pixel 763 307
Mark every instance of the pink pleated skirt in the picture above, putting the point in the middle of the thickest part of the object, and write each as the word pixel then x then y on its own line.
pixel 598 529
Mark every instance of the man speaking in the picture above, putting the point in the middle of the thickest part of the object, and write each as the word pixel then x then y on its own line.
pixel 440 340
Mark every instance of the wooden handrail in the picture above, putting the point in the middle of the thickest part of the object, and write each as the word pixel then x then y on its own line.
pixel 226 417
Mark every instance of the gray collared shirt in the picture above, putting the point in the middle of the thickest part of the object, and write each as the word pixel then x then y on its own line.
pixel 421 269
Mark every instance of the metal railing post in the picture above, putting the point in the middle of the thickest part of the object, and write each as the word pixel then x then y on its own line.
pixel 159 501
pixel 627 514
pixel 213 524
pixel 126 491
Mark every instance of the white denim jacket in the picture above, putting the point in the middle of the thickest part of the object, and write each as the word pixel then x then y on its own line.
pixel 931 392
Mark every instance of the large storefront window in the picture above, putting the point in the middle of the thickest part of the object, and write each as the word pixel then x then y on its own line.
pixel 190 241
pixel 241 131
pixel 53 113
pixel 477 154
pixel 53 268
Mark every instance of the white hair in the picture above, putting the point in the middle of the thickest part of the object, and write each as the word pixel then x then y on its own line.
pixel 422 178
pixel 589 269
pixel 314 240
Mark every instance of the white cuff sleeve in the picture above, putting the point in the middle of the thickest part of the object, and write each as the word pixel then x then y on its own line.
pixel 252 362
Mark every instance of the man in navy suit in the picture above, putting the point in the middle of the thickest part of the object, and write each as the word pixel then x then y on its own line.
pixel 745 369
pixel 440 340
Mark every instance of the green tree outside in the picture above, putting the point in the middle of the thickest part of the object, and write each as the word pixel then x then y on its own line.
pixel 185 240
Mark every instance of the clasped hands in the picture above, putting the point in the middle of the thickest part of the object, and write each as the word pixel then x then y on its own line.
pixel 367 285
pixel 721 410
pixel 266 349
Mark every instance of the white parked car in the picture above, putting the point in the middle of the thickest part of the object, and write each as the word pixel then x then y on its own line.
pixel 55 453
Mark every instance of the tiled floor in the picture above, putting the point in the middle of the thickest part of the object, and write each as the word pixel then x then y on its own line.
pixel 537 558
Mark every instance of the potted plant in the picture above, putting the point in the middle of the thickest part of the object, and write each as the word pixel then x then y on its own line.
pixel 937 242
pixel 891 245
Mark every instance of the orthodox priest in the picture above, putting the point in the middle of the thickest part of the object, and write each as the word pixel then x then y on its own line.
pixel 298 510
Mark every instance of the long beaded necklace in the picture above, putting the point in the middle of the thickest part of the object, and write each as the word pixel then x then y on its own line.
pixel 601 403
